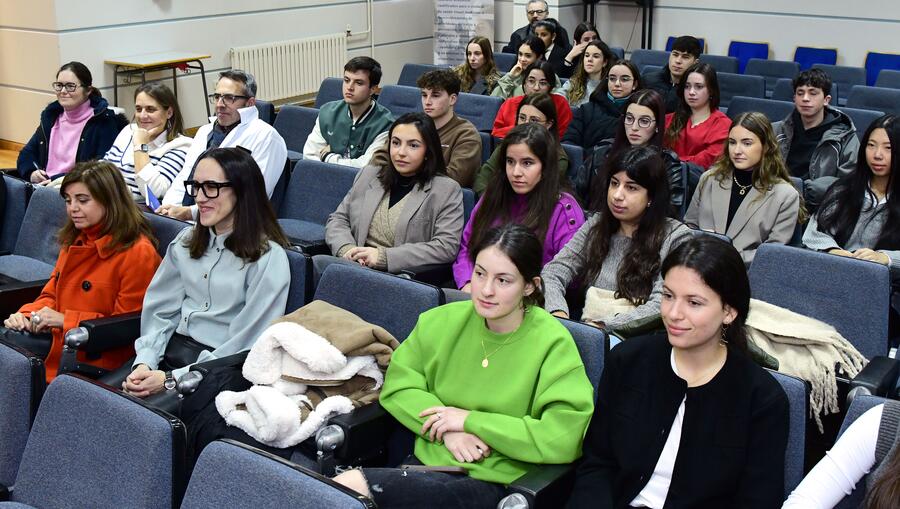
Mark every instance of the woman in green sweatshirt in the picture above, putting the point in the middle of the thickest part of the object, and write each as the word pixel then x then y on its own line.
pixel 490 386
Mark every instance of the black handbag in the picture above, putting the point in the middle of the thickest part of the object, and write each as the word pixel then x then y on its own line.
pixel 181 351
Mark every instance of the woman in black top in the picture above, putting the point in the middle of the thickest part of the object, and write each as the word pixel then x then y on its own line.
pixel 690 421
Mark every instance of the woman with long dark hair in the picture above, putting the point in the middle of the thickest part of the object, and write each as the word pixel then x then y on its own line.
pixel 539 79
pixel 405 213
pixel 596 59
pixel 527 193
pixel 596 120
pixel 697 129
pixel 748 195
pixel 860 213
pixel 539 108
pixel 106 260
pixel 221 282
pixel 620 248
pixel 584 33
pixel 511 83
pixel 435 386
pixel 150 151
pixel 479 73
pixel 688 417
pixel 78 126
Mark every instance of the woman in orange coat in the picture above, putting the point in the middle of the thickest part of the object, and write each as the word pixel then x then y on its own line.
pixel 107 259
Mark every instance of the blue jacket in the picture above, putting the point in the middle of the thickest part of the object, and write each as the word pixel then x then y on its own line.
pixel 98 135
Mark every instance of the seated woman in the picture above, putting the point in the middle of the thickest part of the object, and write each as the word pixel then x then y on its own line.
pixel 521 195
pixel 435 386
pixel 105 263
pixel 539 108
pixel 407 213
pixel 584 33
pixel 621 246
pixel 855 216
pixel 511 83
pixel 595 61
pixel 597 119
pixel 747 195
pixel 696 130
pixel 221 283
pixel 547 29
pixel 691 420
pixel 640 126
pixel 150 152
pixel 479 74
pixel 868 446
pixel 539 78
pixel 78 126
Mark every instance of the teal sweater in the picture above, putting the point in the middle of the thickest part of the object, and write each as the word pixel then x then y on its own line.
pixel 531 405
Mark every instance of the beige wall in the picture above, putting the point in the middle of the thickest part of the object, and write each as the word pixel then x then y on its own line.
pixel 36 40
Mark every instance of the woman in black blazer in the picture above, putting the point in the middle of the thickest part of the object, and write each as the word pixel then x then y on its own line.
pixel 688 422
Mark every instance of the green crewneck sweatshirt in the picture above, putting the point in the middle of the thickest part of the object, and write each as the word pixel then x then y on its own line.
pixel 532 404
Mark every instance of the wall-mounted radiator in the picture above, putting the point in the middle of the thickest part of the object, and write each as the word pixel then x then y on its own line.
pixel 292 68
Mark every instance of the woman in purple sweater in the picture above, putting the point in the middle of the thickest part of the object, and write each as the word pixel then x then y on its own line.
pixel 520 195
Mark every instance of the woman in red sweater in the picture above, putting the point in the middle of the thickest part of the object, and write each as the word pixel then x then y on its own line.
pixel 539 78
pixel 106 261
pixel 696 130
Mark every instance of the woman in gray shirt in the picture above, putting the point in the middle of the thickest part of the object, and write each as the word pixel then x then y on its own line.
pixel 620 248
pixel 221 282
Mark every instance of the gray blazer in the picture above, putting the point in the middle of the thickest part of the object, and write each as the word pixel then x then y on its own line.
pixel 769 217
pixel 428 230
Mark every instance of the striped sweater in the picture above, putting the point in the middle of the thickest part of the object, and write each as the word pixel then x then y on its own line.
pixel 166 161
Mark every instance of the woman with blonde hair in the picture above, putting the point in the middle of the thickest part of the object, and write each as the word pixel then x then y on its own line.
pixel 479 74
pixel 106 261
pixel 747 194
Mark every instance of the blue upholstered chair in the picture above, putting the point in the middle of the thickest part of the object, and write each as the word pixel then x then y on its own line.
pixel 504 61
pixel 845 77
pixel 861 119
pixel 18 192
pixel 481 110
pixel 731 85
pixel 797 393
pixel 807 56
pixel 888 78
pixel 642 57
pixel 23 380
pixel 772 71
pixel 294 123
pixel 874 98
pixel 773 110
pixel 36 249
pixel 744 51
pixel 721 63
pixel 331 89
pixel 400 99
pixel 411 72
pixel 266 111
pixel 875 62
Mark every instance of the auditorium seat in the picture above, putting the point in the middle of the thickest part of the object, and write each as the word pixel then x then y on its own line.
pixel 797 393
pixel 875 62
pixel 400 99
pixel 487 146
pixel 23 380
pixel 228 471
pixel 481 110
pixel 36 247
pixel 854 298
pixel 731 85
pixel 744 51
pixel 266 111
pixel 165 229
pixel 721 63
pixel 643 57
pixel 773 110
pixel 618 52
pixel 294 124
pixel 845 77
pixel 671 40
pixel 94 446
pixel 807 56
pixel 874 98
pixel 331 89
pixel 18 192
pixel 411 72
pixel 772 71
pixel 888 78
pixel 650 69
pixel 504 61
pixel 314 192
pixel 862 119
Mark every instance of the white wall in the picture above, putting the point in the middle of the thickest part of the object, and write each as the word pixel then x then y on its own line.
pixel 35 40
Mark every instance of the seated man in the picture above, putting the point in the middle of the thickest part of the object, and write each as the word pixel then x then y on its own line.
pixel 348 132
pixel 685 52
pixel 237 124
pixel 460 141
pixel 536 10
pixel 817 141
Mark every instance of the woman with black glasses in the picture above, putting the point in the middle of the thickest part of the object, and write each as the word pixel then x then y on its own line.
pixel 78 126
pixel 221 282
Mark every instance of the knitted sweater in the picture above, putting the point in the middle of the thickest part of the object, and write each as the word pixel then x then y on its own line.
pixel 703 143
pixel 538 414
pixel 569 264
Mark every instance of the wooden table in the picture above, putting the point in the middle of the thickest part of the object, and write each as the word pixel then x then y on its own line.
pixel 142 64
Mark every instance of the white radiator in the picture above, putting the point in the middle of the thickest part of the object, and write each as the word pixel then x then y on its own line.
pixel 292 68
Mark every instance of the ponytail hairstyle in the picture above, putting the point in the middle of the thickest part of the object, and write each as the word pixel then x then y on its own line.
pixel 84 76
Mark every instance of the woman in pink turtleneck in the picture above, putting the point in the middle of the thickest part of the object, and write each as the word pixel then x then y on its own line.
pixel 77 127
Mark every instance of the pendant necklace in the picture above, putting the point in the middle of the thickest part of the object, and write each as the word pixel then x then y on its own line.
pixel 742 189
pixel 484 361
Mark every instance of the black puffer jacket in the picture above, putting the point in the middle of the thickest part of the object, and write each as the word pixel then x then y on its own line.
pixel 593 122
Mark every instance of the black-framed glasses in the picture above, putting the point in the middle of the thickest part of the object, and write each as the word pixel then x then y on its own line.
pixel 228 99
pixel 642 122
pixel 210 188
pixel 59 86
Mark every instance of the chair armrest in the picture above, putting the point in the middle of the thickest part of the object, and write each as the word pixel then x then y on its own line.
pixel 366 429
pixel 436 274
pixel 111 332
pixel 545 485
pixel 15 295
pixel 878 378
pixel 4 493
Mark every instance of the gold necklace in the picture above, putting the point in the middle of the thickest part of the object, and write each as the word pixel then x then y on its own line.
pixel 484 361
pixel 743 189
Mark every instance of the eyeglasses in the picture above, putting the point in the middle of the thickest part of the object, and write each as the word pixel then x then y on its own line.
pixel 536 12
pixel 210 188
pixel 523 119
pixel 620 79
pixel 228 99
pixel 643 122
pixel 59 86
pixel 534 83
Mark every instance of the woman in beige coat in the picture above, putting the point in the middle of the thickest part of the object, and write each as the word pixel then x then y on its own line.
pixel 747 194
pixel 407 213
